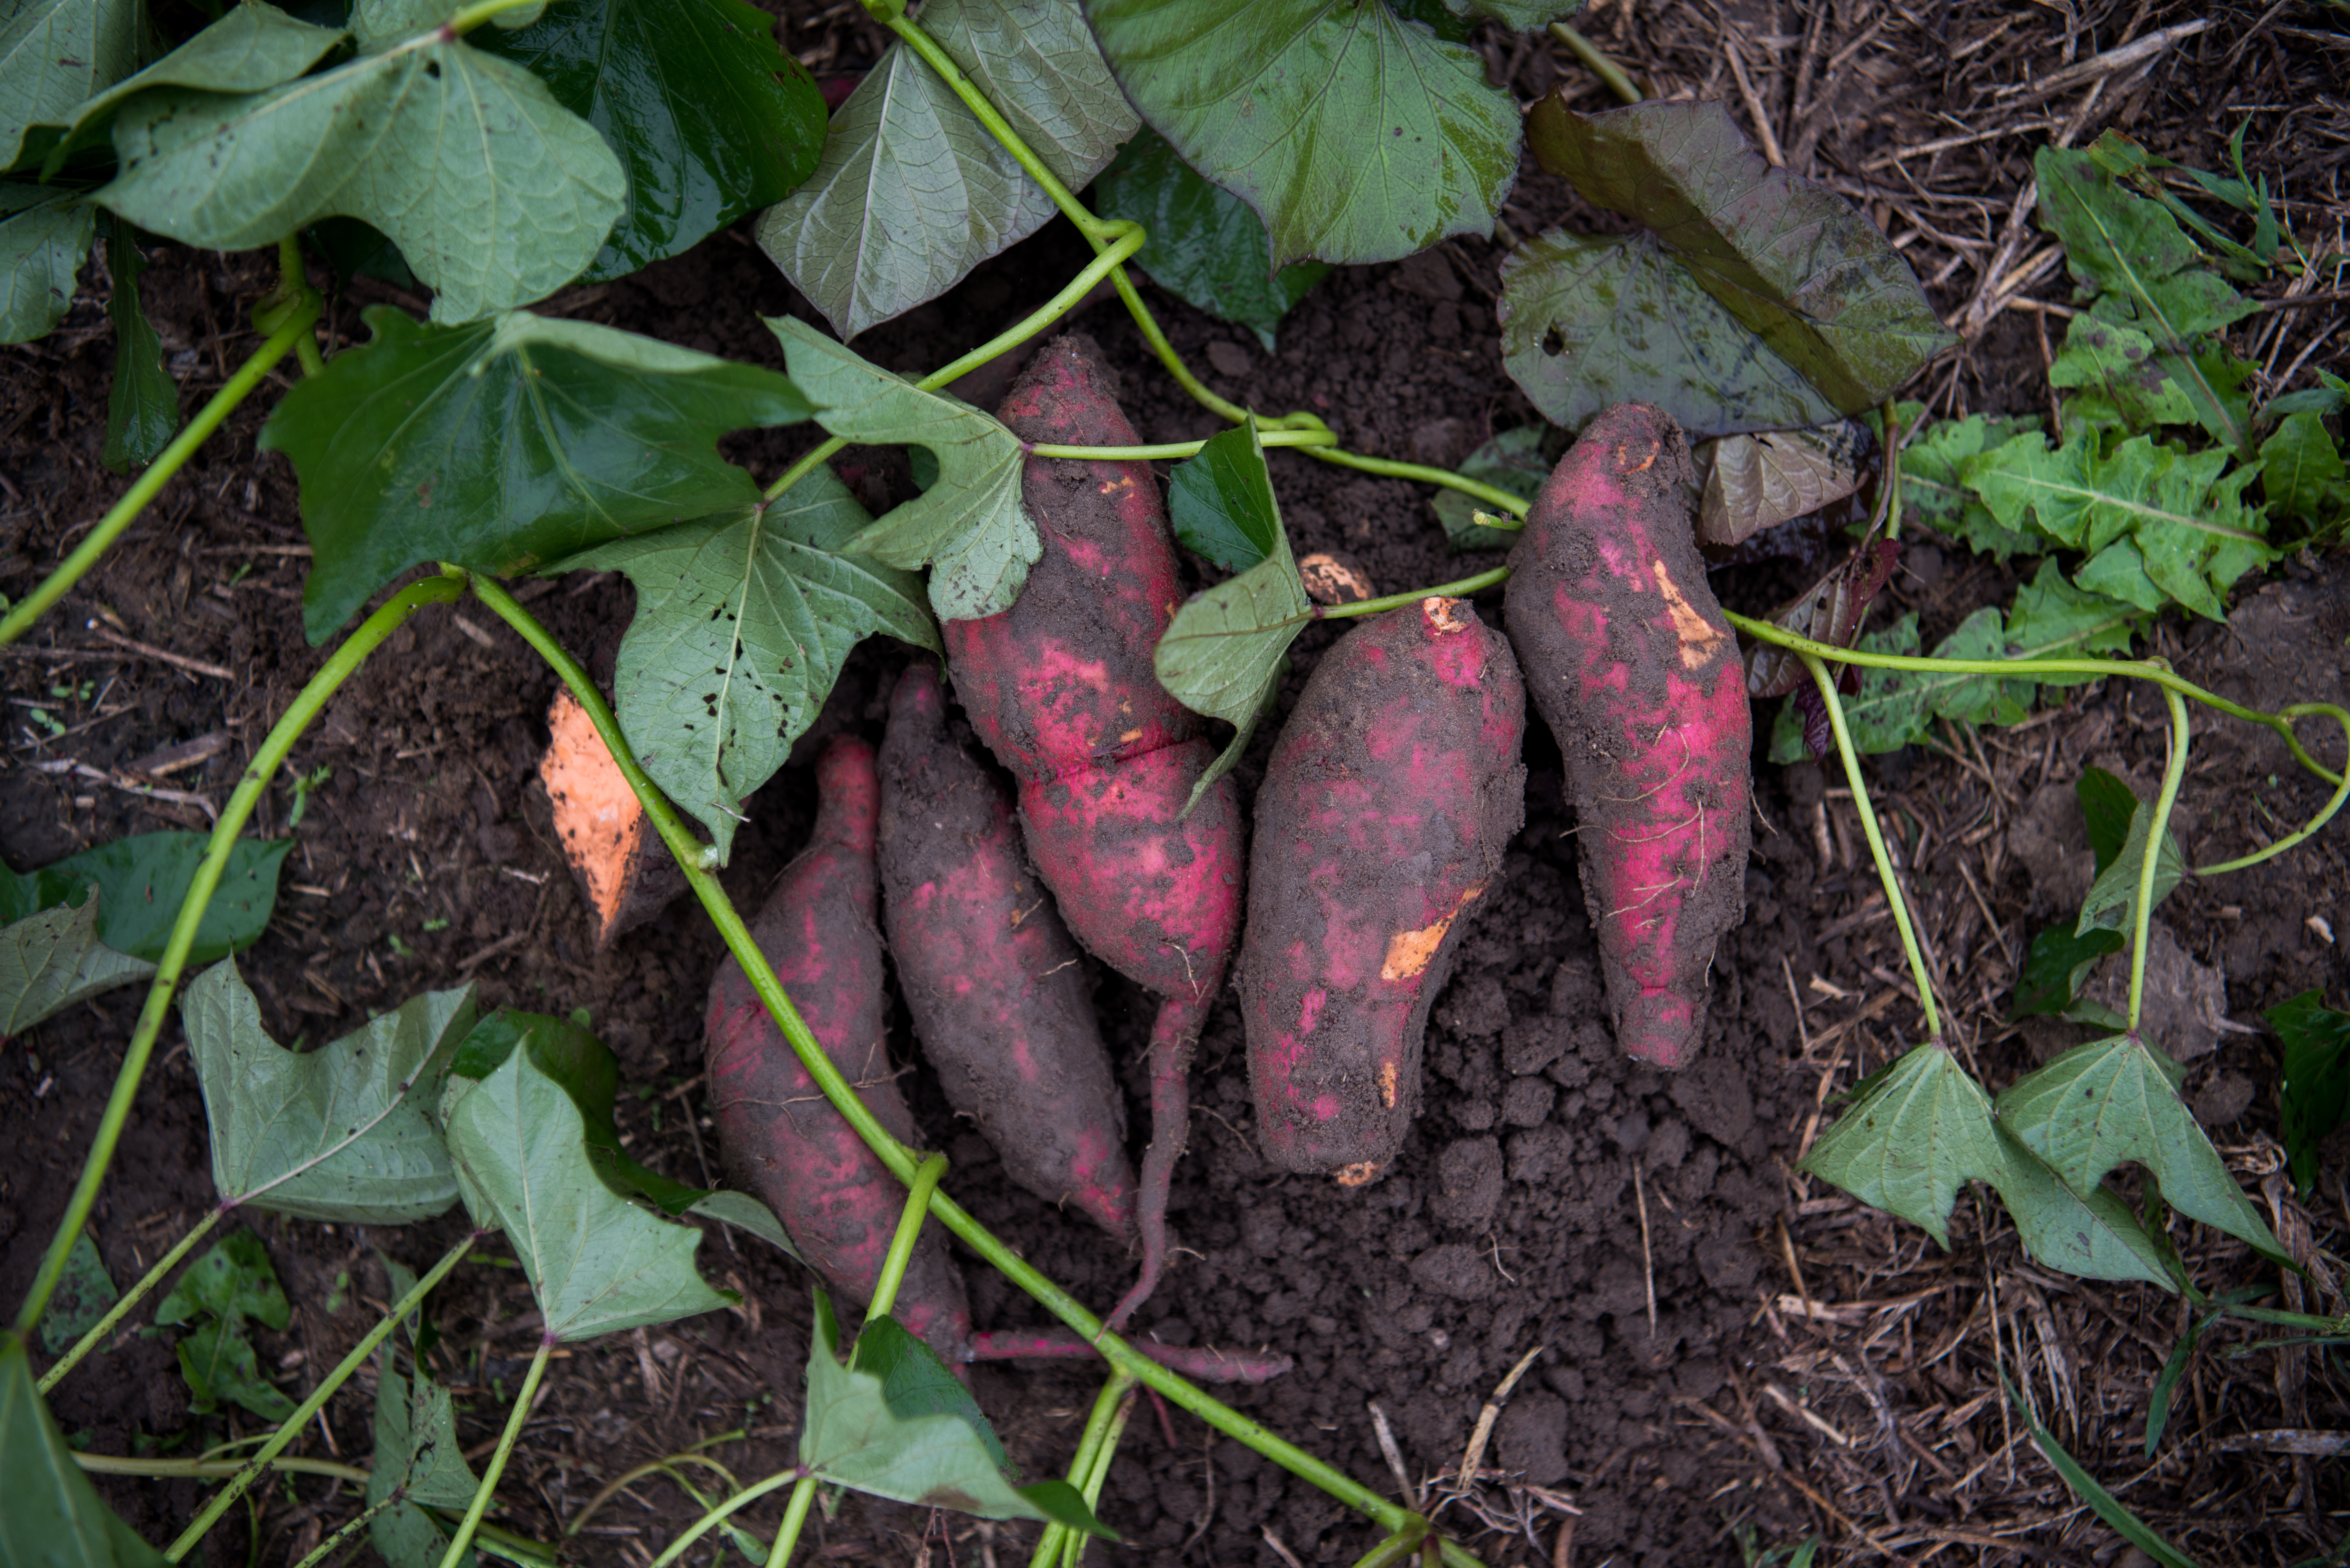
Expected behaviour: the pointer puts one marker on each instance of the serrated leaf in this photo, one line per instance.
(1588, 321)
(2112, 903)
(851, 1437)
(52, 960)
(1934, 466)
(2130, 249)
(1921, 1129)
(2057, 621)
(2058, 960)
(56, 53)
(233, 1279)
(360, 1102)
(143, 881)
(45, 235)
(1206, 246)
(2313, 1088)
(1220, 501)
(2301, 470)
(2116, 362)
(969, 526)
(596, 1263)
(504, 445)
(1796, 263)
(417, 1455)
(2092, 1234)
(142, 401)
(1511, 461)
(742, 622)
(55, 1517)
(709, 118)
(84, 1292)
(2111, 1100)
(495, 193)
(912, 192)
(219, 1364)
(1832, 610)
(1359, 136)
(1750, 482)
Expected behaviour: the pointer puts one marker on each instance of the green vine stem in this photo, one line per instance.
(1869, 825)
(497, 1465)
(1599, 64)
(901, 1245)
(291, 1427)
(796, 1513)
(130, 1299)
(2174, 774)
(693, 856)
(1097, 1472)
(481, 11)
(1053, 1541)
(2341, 792)
(334, 1543)
(1173, 450)
(293, 292)
(627, 1479)
(74, 567)
(211, 1469)
(1460, 589)
(1396, 1548)
(787, 1535)
(266, 762)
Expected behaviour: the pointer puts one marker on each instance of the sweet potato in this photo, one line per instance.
(1061, 688)
(1633, 667)
(999, 999)
(779, 1137)
(1386, 807)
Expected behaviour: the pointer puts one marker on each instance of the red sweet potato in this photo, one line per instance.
(779, 1137)
(1633, 667)
(999, 996)
(1061, 688)
(1386, 807)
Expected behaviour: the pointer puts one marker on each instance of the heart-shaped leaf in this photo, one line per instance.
(1914, 1131)
(52, 960)
(2094, 1236)
(144, 879)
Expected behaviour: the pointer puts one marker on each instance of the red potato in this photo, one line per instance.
(780, 1138)
(1386, 807)
(1062, 689)
(1000, 1000)
(1637, 674)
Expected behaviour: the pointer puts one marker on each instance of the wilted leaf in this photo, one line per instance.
(142, 401)
(494, 193)
(54, 959)
(55, 1517)
(506, 444)
(144, 880)
(709, 119)
(1207, 246)
(1750, 482)
(1794, 262)
(912, 192)
(1591, 321)
(1360, 136)
(417, 1455)
(1914, 1131)
(1511, 461)
(2314, 1089)
(45, 236)
(1832, 611)
(742, 622)
(969, 526)
(360, 1102)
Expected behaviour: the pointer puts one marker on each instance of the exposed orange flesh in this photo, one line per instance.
(623, 870)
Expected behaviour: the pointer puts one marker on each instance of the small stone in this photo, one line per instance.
(2223, 1099)
(1335, 578)
(1228, 357)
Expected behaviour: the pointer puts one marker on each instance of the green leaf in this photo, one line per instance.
(1511, 461)
(2053, 620)
(44, 236)
(709, 119)
(2313, 1088)
(1796, 263)
(253, 48)
(2329, 395)
(916, 1383)
(55, 1518)
(745, 1213)
(1220, 501)
(1358, 135)
(2102, 1503)
(1591, 321)
(2113, 1100)
(2107, 805)
(2129, 249)
(52, 960)
(1223, 653)
(1517, 15)
(912, 192)
(144, 879)
(2092, 1234)
(359, 1102)
(2301, 470)
(494, 193)
(80, 1301)
(1913, 1133)
(2116, 363)
(506, 444)
(851, 1436)
(56, 53)
(143, 403)
(596, 1263)
(1207, 246)
(742, 622)
(219, 1364)
(969, 526)
(2058, 961)
(1934, 467)
(2112, 903)
(417, 1454)
(234, 1279)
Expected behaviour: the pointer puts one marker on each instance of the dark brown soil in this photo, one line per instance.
(1720, 1344)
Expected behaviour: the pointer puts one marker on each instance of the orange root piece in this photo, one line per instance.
(623, 870)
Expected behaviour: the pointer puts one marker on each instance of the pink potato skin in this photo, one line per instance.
(1386, 807)
(1001, 1002)
(779, 1137)
(1632, 665)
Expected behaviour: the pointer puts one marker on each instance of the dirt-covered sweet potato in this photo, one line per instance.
(1000, 998)
(779, 1137)
(1629, 660)
(1061, 687)
(1386, 807)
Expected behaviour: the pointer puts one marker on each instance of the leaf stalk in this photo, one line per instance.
(131, 1298)
(523, 1400)
(901, 1244)
(2174, 772)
